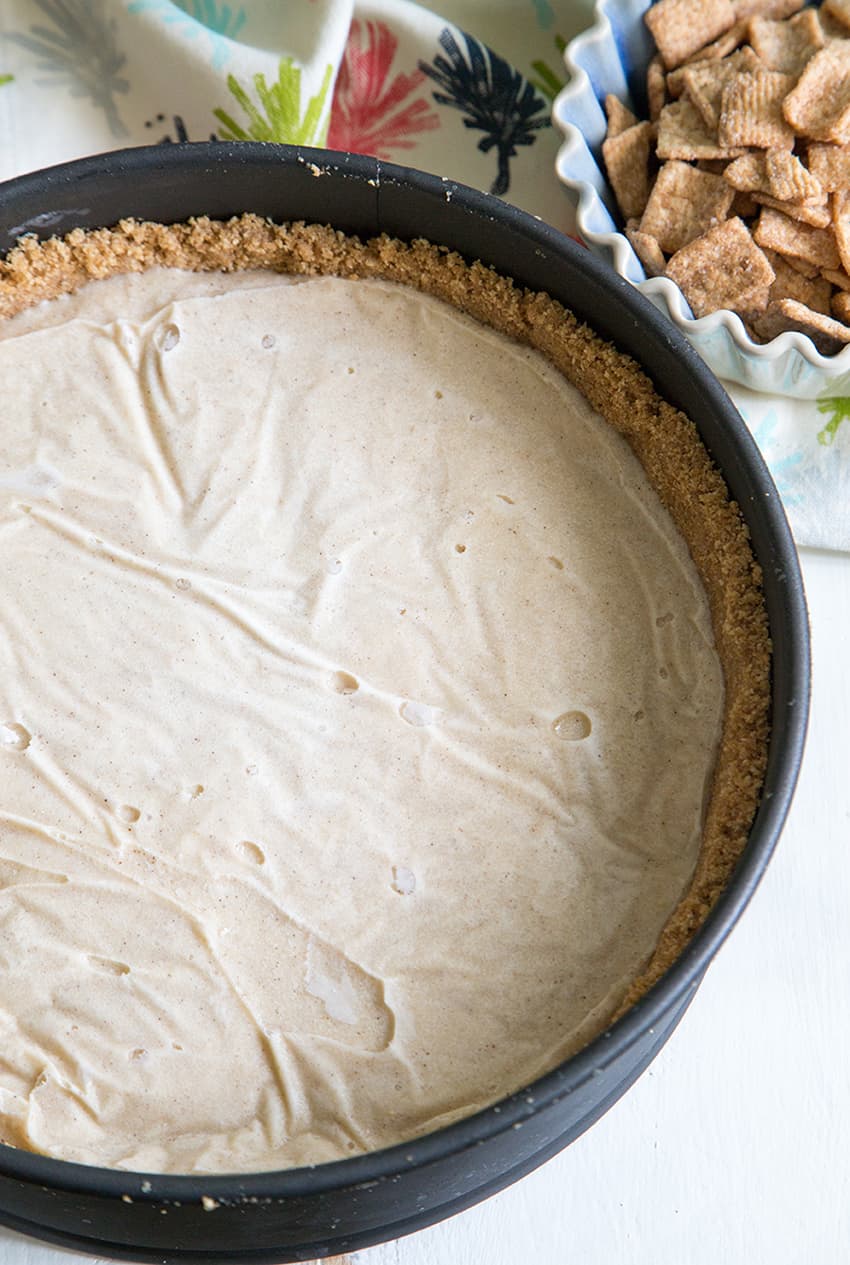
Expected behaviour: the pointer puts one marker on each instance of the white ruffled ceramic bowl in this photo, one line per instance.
(612, 57)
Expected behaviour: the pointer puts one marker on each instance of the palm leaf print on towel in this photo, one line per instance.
(839, 408)
(281, 101)
(79, 49)
(221, 18)
(212, 22)
(371, 111)
(494, 98)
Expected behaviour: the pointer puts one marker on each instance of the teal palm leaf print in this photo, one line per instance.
(213, 21)
(278, 114)
(222, 18)
(77, 47)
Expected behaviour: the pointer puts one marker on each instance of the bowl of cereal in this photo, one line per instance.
(707, 147)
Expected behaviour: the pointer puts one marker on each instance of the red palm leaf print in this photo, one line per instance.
(368, 114)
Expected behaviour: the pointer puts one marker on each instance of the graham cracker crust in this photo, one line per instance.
(663, 438)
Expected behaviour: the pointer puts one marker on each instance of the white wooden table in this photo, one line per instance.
(735, 1145)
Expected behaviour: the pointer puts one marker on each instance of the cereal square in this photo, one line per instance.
(723, 269)
(627, 161)
(816, 216)
(682, 134)
(789, 180)
(804, 268)
(777, 173)
(684, 203)
(819, 106)
(841, 307)
(837, 277)
(787, 46)
(648, 252)
(815, 292)
(751, 111)
(620, 117)
(828, 335)
(682, 27)
(839, 11)
(656, 87)
(830, 165)
(777, 9)
(675, 81)
(832, 29)
(722, 47)
(841, 228)
(787, 237)
(748, 173)
(705, 81)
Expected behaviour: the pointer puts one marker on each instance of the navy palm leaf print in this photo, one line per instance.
(495, 99)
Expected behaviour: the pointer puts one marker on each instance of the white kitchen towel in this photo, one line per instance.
(385, 77)
(806, 444)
